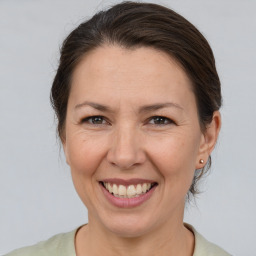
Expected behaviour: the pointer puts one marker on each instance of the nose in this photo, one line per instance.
(126, 150)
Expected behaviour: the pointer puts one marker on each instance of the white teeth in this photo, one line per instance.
(144, 187)
(115, 189)
(109, 188)
(138, 189)
(129, 191)
(122, 190)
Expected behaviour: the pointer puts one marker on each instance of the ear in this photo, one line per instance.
(208, 140)
(64, 146)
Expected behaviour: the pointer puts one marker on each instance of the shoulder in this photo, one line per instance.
(205, 248)
(58, 245)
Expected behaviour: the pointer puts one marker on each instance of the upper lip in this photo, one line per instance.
(128, 182)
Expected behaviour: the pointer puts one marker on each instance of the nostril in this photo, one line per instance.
(126, 159)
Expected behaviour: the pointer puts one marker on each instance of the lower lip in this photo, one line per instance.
(127, 202)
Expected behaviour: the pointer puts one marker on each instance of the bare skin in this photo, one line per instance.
(170, 243)
(132, 114)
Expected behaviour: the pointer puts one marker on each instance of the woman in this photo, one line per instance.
(137, 98)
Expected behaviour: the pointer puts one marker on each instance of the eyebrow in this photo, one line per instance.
(157, 106)
(142, 109)
(97, 106)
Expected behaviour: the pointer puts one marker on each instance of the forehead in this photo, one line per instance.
(143, 74)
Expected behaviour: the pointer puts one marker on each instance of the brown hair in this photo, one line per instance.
(132, 25)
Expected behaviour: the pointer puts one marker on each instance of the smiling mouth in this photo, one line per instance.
(128, 191)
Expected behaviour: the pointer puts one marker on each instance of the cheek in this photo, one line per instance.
(175, 156)
(84, 153)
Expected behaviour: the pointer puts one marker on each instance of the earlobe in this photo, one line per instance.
(208, 140)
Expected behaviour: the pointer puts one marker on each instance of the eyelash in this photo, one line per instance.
(87, 119)
(160, 118)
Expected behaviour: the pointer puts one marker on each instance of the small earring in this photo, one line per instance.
(201, 161)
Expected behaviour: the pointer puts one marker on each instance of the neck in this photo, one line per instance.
(170, 239)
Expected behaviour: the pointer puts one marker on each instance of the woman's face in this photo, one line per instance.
(131, 126)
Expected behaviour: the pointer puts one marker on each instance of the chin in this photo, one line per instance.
(129, 227)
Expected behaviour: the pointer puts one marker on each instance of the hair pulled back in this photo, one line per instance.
(133, 25)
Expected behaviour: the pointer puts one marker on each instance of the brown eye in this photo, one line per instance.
(94, 120)
(160, 120)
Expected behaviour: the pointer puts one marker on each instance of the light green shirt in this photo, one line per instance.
(64, 245)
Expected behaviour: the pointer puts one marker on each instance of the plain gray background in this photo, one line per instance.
(36, 193)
